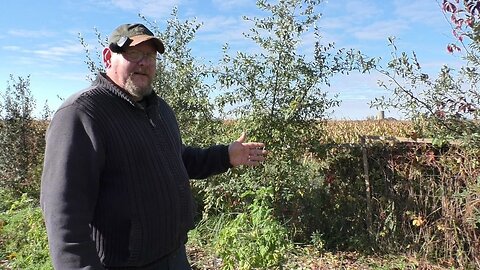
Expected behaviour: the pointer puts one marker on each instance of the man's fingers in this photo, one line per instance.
(242, 137)
(257, 152)
(256, 156)
(254, 145)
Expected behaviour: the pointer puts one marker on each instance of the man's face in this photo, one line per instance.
(134, 69)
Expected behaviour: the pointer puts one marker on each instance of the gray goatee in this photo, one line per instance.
(136, 91)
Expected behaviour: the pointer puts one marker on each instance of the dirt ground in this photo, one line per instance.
(308, 259)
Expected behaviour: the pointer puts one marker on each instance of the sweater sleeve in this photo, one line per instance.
(69, 188)
(204, 162)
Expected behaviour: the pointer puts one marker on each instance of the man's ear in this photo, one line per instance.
(107, 57)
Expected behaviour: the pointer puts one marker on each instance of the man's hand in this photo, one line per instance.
(250, 154)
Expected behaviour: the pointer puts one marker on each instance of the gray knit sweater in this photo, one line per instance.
(115, 186)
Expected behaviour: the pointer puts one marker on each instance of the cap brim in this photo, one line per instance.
(142, 38)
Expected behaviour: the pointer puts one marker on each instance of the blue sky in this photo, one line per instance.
(40, 38)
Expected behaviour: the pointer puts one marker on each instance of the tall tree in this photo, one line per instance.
(278, 90)
(21, 139)
(276, 93)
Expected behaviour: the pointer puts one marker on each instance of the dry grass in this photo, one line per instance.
(351, 131)
(306, 258)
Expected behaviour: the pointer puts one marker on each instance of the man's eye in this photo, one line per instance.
(134, 54)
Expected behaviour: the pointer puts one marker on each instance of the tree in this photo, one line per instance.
(21, 139)
(94, 60)
(182, 81)
(464, 16)
(441, 107)
(465, 20)
(276, 95)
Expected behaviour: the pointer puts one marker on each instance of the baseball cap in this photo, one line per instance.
(130, 35)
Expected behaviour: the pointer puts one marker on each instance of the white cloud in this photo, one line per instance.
(47, 55)
(421, 12)
(333, 23)
(219, 23)
(222, 29)
(356, 86)
(231, 4)
(150, 8)
(360, 10)
(11, 48)
(356, 23)
(23, 33)
(380, 30)
(356, 91)
(351, 11)
(58, 52)
(68, 76)
(343, 20)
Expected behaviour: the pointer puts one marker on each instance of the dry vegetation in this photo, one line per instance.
(351, 131)
(307, 258)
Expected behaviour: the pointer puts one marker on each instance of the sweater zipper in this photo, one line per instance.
(148, 117)
(150, 121)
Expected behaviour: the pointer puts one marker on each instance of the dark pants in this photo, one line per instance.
(176, 260)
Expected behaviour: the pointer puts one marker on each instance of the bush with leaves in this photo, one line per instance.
(253, 239)
(21, 139)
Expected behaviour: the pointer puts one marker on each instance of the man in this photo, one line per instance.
(115, 188)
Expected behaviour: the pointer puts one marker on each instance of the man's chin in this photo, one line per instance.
(139, 89)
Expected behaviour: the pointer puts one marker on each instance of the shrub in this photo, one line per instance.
(21, 139)
(253, 239)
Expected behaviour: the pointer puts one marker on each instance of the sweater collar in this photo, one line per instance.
(103, 81)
